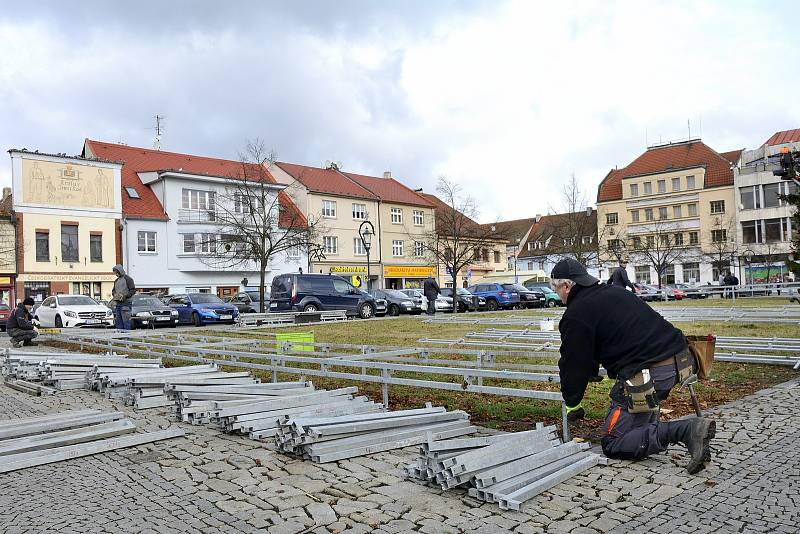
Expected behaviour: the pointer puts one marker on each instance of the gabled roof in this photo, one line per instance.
(732, 155)
(445, 218)
(513, 230)
(328, 181)
(786, 136)
(669, 158)
(390, 190)
(148, 160)
(557, 226)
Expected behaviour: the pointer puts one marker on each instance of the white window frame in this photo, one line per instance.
(198, 200)
(397, 248)
(293, 252)
(716, 207)
(186, 239)
(676, 184)
(359, 211)
(419, 249)
(663, 213)
(329, 209)
(634, 215)
(419, 217)
(720, 232)
(146, 234)
(692, 209)
(358, 247)
(396, 215)
(690, 182)
(648, 214)
(677, 211)
(648, 188)
(634, 190)
(612, 218)
(330, 244)
(662, 186)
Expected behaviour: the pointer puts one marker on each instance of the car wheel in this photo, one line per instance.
(196, 320)
(551, 303)
(59, 322)
(310, 308)
(174, 324)
(366, 311)
(394, 310)
(492, 305)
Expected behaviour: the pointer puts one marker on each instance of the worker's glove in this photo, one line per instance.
(575, 413)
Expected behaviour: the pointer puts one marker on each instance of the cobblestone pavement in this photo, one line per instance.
(211, 482)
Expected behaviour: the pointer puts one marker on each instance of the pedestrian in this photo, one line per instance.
(641, 350)
(20, 327)
(431, 291)
(124, 289)
(620, 276)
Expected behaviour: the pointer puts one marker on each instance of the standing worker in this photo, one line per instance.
(620, 276)
(124, 289)
(20, 327)
(641, 350)
(431, 290)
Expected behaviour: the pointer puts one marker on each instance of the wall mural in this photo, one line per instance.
(68, 185)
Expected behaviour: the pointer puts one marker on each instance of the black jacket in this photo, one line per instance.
(431, 289)
(620, 278)
(609, 325)
(20, 318)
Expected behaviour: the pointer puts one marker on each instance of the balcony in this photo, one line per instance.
(197, 216)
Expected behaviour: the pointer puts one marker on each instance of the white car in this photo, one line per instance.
(442, 303)
(73, 310)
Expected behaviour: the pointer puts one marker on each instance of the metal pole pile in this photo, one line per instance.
(507, 469)
(328, 439)
(31, 388)
(47, 439)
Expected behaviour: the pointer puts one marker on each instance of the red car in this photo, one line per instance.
(5, 311)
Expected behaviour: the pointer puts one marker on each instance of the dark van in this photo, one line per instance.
(315, 292)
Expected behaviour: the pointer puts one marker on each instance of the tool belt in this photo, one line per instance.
(639, 390)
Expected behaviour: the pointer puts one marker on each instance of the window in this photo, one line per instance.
(497, 256)
(206, 243)
(772, 230)
(676, 184)
(146, 241)
(663, 240)
(648, 214)
(677, 212)
(587, 240)
(692, 210)
(690, 182)
(476, 254)
(569, 241)
(188, 243)
(419, 249)
(642, 274)
(751, 197)
(691, 272)
(637, 243)
(197, 200)
(419, 218)
(485, 255)
(662, 213)
(96, 247)
(669, 274)
(132, 192)
(678, 240)
(717, 206)
(293, 252)
(651, 241)
(751, 231)
(541, 266)
(612, 218)
(69, 242)
(331, 244)
(635, 216)
(614, 244)
(360, 211)
(648, 188)
(397, 247)
(662, 186)
(396, 215)
(530, 265)
(771, 192)
(694, 238)
(341, 287)
(719, 236)
(358, 247)
(634, 190)
(329, 209)
(42, 246)
(530, 245)
(245, 204)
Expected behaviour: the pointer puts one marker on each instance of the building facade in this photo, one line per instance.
(672, 213)
(67, 213)
(8, 251)
(171, 204)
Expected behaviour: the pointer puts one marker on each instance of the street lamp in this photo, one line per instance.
(748, 258)
(516, 253)
(366, 230)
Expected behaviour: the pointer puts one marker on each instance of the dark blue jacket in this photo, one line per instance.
(20, 318)
(620, 278)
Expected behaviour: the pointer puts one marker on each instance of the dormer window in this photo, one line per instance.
(132, 192)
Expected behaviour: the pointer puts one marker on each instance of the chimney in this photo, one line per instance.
(538, 217)
(387, 174)
(6, 192)
(589, 211)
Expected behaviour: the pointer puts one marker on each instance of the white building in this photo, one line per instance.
(168, 206)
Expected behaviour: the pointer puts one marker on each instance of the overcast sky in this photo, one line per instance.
(506, 98)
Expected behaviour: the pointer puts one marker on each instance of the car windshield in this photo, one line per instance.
(395, 293)
(76, 301)
(147, 301)
(205, 298)
(255, 296)
(516, 287)
(462, 291)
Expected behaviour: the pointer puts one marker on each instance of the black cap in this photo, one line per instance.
(28, 301)
(571, 269)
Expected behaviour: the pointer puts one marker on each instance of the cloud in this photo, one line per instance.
(507, 98)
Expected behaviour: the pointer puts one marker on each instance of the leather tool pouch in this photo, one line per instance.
(683, 365)
(640, 393)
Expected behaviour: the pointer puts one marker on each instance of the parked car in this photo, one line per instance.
(73, 310)
(442, 304)
(148, 311)
(5, 311)
(551, 298)
(202, 308)
(398, 302)
(688, 291)
(314, 292)
(466, 300)
(527, 297)
(652, 293)
(496, 295)
(380, 307)
(249, 301)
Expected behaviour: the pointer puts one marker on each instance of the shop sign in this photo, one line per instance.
(67, 277)
(408, 271)
(5, 280)
(348, 269)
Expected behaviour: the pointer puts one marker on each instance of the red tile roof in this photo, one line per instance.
(326, 181)
(732, 155)
(559, 226)
(516, 229)
(669, 158)
(786, 136)
(390, 190)
(147, 160)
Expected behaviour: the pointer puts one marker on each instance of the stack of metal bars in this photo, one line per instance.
(328, 439)
(31, 388)
(508, 469)
(47, 439)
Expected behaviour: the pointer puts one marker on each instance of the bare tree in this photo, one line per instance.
(256, 219)
(719, 243)
(457, 236)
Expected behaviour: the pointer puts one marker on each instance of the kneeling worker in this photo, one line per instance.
(644, 352)
(20, 327)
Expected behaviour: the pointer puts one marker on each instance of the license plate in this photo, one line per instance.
(225, 317)
(92, 321)
(162, 318)
(273, 305)
(145, 322)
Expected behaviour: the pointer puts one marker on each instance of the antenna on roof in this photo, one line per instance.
(159, 130)
(689, 126)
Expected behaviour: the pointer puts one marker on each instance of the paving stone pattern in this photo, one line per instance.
(211, 482)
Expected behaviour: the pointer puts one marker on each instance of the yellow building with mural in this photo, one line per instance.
(67, 212)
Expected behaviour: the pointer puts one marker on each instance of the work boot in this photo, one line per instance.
(29, 343)
(695, 433)
(16, 344)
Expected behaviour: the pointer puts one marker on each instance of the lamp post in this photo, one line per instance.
(516, 253)
(748, 258)
(366, 230)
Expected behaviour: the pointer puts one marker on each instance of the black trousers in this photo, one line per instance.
(18, 334)
(431, 306)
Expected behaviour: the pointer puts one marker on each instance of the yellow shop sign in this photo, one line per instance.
(348, 269)
(408, 271)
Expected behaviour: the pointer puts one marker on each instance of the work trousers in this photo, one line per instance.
(634, 436)
(122, 317)
(20, 335)
(431, 306)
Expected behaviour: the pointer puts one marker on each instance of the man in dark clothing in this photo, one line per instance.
(20, 327)
(431, 291)
(641, 350)
(620, 276)
(124, 289)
